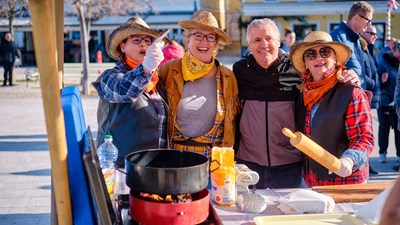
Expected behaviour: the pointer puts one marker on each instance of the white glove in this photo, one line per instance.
(154, 56)
(347, 167)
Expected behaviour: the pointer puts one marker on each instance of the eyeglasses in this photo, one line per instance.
(365, 18)
(311, 54)
(200, 37)
(371, 33)
(138, 39)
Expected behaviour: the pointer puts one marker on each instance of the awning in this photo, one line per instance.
(305, 8)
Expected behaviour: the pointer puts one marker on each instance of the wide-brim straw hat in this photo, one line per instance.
(205, 20)
(134, 26)
(317, 38)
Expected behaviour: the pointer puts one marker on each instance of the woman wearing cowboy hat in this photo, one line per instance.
(336, 116)
(131, 108)
(202, 93)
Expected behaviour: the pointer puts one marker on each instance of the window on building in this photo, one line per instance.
(303, 29)
(381, 33)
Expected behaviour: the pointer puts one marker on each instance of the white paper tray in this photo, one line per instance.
(307, 219)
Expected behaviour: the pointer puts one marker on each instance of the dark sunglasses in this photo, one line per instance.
(200, 37)
(365, 18)
(311, 54)
(138, 39)
(371, 33)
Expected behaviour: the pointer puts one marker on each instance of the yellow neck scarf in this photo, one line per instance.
(193, 68)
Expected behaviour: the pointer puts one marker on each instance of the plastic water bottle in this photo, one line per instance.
(108, 154)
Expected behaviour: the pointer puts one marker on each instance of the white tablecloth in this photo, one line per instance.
(229, 215)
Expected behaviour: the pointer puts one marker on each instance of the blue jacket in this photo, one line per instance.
(371, 74)
(390, 65)
(397, 98)
(347, 36)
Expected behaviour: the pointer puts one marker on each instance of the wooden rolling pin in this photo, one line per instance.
(313, 150)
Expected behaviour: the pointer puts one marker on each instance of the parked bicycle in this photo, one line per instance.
(31, 74)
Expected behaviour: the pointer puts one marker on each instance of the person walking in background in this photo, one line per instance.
(173, 50)
(290, 38)
(387, 48)
(371, 69)
(397, 105)
(387, 117)
(202, 93)
(348, 33)
(9, 52)
(336, 116)
(131, 106)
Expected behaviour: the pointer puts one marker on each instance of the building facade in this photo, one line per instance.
(302, 16)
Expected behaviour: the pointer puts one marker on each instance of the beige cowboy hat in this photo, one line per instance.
(134, 26)
(317, 38)
(206, 21)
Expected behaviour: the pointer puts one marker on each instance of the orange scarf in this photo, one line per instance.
(132, 64)
(313, 91)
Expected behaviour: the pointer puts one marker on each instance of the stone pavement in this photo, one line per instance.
(24, 158)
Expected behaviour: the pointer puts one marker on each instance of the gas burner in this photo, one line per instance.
(124, 219)
(147, 211)
(179, 198)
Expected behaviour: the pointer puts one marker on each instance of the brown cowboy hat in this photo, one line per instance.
(317, 38)
(134, 26)
(206, 21)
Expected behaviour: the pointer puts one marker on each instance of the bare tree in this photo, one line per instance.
(12, 8)
(92, 10)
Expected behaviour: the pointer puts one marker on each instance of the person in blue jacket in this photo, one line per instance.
(388, 71)
(348, 33)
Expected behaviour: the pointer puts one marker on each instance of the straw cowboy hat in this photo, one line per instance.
(134, 26)
(206, 21)
(317, 38)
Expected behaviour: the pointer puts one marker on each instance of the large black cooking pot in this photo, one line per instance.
(166, 171)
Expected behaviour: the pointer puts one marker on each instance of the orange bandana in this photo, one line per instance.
(132, 64)
(313, 91)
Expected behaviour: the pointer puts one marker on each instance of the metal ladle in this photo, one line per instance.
(250, 202)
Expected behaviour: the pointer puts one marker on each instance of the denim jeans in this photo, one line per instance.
(387, 118)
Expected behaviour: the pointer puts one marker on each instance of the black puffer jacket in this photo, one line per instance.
(268, 99)
(390, 65)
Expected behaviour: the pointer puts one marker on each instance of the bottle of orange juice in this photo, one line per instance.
(223, 176)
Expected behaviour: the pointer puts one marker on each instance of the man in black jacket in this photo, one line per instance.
(267, 92)
(371, 70)
(8, 53)
(371, 65)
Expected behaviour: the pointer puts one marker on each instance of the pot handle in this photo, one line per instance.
(119, 169)
(217, 167)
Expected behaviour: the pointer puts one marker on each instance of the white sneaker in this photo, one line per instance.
(382, 158)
